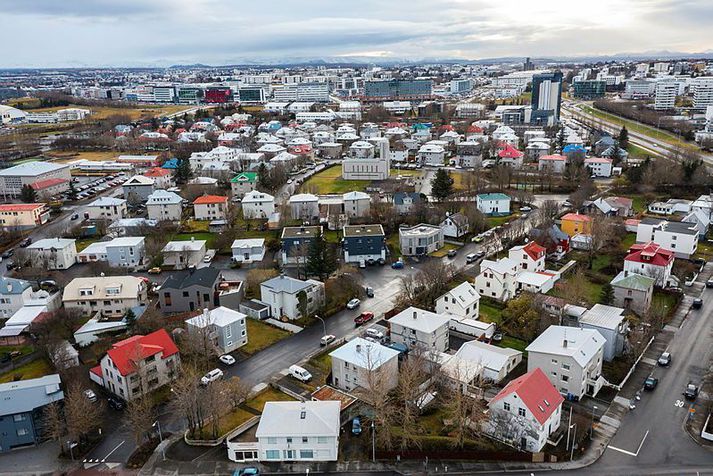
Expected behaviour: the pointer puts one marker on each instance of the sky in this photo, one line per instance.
(57, 33)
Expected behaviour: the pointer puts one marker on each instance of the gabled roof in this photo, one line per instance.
(220, 316)
(536, 393)
(156, 172)
(363, 353)
(465, 294)
(206, 199)
(555, 157)
(206, 277)
(533, 250)
(51, 182)
(576, 217)
(650, 253)
(139, 180)
(420, 320)
(249, 177)
(125, 353)
(400, 196)
(601, 315)
(510, 152)
(20, 207)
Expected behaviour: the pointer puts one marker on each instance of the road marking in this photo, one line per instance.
(115, 448)
(629, 452)
(679, 404)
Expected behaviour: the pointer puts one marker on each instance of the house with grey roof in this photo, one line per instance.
(405, 201)
(13, 295)
(21, 410)
(611, 323)
(633, 291)
(226, 328)
(455, 225)
(53, 253)
(190, 290)
(283, 294)
(359, 363)
(106, 208)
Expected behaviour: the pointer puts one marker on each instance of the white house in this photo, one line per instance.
(598, 166)
(416, 327)
(304, 206)
(53, 253)
(225, 328)
(531, 256)
(477, 362)
(356, 204)
(552, 163)
(571, 358)
(463, 301)
(652, 260)
(109, 295)
(611, 323)
(106, 208)
(455, 225)
(364, 365)
(497, 279)
(164, 206)
(257, 204)
(211, 207)
(182, 254)
(282, 293)
(526, 412)
(679, 237)
(431, 154)
(249, 250)
(420, 239)
(493, 203)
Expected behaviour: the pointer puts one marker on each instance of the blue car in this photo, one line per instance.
(356, 426)
(397, 264)
(249, 471)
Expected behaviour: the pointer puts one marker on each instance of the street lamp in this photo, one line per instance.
(160, 438)
(324, 326)
(373, 442)
(591, 429)
(574, 438)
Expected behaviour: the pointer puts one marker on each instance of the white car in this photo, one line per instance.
(300, 373)
(353, 304)
(227, 359)
(374, 333)
(91, 396)
(211, 376)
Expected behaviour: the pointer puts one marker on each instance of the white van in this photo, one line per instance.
(299, 373)
(471, 258)
(211, 376)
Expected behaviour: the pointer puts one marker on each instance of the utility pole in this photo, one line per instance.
(574, 438)
(373, 442)
(569, 425)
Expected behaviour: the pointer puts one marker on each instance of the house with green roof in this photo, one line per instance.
(633, 291)
(493, 204)
(244, 182)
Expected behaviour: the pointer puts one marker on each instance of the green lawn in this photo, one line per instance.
(513, 343)
(628, 240)
(443, 251)
(330, 181)
(499, 221)
(664, 300)
(600, 262)
(705, 251)
(36, 368)
(230, 421)
(332, 236)
(261, 335)
(393, 243)
(82, 243)
(323, 362)
(490, 312)
(22, 349)
(270, 394)
(200, 235)
(636, 152)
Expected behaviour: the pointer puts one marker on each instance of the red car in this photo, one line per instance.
(363, 317)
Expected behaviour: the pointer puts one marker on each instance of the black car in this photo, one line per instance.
(115, 403)
(709, 283)
(691, 391)
(10, 266)
(650, 383)
(8, 253)
(697, 303)
(26, 242)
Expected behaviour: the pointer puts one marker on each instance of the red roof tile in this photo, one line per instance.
(97, 370)
(554, 157)
(20, 207)
(534, 251)
(536, 392)
(156, 172)
(649, 253)
(510, 152)
(51, 182)
(576, 217)
(205, 199)
(125, 352)
(474, 129)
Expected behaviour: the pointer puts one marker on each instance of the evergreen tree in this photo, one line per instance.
(441, 185)
(560, 139)
(72, 190)
(623, 138)
(28, 194)
(321, 260)
(183, 172)
(607, 294)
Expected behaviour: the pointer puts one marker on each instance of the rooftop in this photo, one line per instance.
(580, 344)
(363, 353)
(301, 231)
(363, 230)
(26, 395)
(420, 320)
(31, 169)
(220, 316)
(286, 284)
(207, 199)
(536, 392)
(206, 277)
(309, 418)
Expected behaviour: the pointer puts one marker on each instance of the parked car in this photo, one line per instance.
(369, 291)
(650, 383)
(115, 403)
(26, 242)
(397, 265)
(374, 333)
(709, 283)
(10, 266)
(249, 471)
(227, 359)
(356, 426)
(452, 253)
(155, 270)
(471, 258)
(697, 303)
(365, 316)
(300, 373)
(326, 340)
(525, 209)
(665, 359)
(211, 376)
(91, 396)
(353, 304)
(8, 253)
(691, 391)
(74, 216)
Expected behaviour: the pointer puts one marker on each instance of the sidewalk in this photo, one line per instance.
(36, 460)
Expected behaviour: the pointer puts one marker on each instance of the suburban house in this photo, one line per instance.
(53, 253)
(553, 239)
(304, 206)
(552, 163)
(497, 279)
(190, 290)
(455, 225)
(679, 237)
(164, 206)
(405, 201)
(571, 358)
(23, 216)
(283, 295)
(671, 206)
(510, 156)
(211, 207)
(106, 208)
(21, 412)
(431, 154)
(415, 327)
(295, 431)
(363, 243)
(477, 363)
(243, 183)
(652, 260)
(111, 296)
(295, 241)
(363, 365)
(162, 178)
(138, 365)
(356, 204)
(463, 301)
(138, 188)
(599, 166)
(225, 328)
(420, 239)
(257, 204)
(121, 252)
(611, 323)
(493, 203)
(182, 254)
(612, 206)
(700, 219)
(14, 293)
(531, 256)
(526, 412)
(248, 250)
(575, 224)
(633, 291)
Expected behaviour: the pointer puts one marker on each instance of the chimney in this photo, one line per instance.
(564, 344)
(358, 347)
(415, 314)
(9, 287)
(206, 314)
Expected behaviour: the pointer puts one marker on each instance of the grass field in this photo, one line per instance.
(490, 312)
(498, 221)
(406, 172)
(513, 343)
(198, 235)
(134, 113)
(636, 152)
(93, 156)
(36, 368)
(443, 251)
(628, 240)
(270, 394)
(262, 335)
(330, 181)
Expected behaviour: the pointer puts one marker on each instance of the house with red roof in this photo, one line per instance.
(51, 186)
(211, 207)
(552, 163)
(138, 365)
(531, 256)
(162, 178)
(650, 259)
(526, 412)
(509, 155)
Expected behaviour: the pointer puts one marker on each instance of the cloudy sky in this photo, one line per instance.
(54, 33)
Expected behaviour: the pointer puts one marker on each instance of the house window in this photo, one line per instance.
(322, 440)
(19, 417)
(306, 454)
(272, 454)
(305, 439)
(521, 411)
(271, 440)
(565, 366)
(289, 439)
(565, 378)
(506, 406)
(21, 431)
(554, 361)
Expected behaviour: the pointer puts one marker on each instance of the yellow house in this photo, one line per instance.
(574, 224)
(22, 216)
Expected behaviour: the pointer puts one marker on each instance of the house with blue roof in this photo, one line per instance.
(14, 293)
(170, 164)
(573, 149)
(493, 204)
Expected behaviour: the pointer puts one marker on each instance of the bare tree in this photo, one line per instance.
(257, 276)
(141, 416)
(53, 423)
(602, 230)
(575, 289)
(465, 411)
(82, 415)
(236, 390)
(407, 393)
(186, 399)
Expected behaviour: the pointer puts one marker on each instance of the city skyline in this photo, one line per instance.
(162, 33)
